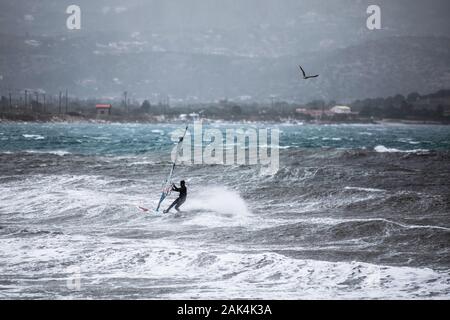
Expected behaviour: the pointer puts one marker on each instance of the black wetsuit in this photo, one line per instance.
(180, 200)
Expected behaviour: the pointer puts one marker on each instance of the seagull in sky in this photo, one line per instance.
(304, 74)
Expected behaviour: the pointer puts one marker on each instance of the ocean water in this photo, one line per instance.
(354, 211)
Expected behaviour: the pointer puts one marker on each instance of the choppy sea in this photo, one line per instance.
(354, 211)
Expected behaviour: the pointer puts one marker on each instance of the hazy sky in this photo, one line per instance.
(216, 48)
(399, 16)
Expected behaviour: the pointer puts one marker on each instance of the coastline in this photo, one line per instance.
(70, 119)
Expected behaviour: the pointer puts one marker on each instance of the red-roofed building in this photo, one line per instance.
(103, 109)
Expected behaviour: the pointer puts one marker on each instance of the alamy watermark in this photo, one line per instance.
(73, 22)
(229, 146)
(374, 20)
(73, 281)
(373, 277)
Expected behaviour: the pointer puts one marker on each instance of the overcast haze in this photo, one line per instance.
(202, 50)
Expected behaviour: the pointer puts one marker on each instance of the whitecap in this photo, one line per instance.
(364, 189)
(33, 136)
(408, 140)
(383, 149)
(55, 152)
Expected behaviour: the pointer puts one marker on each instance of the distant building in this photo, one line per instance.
(194, 116)
(313, 112)
(190, 116)
(300, 110)
(446, 112)
(103, 109)
(341, 110)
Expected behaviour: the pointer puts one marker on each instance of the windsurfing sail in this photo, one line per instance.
(167, 185)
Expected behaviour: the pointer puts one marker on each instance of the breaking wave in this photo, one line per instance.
(340, 219)
(384, 149)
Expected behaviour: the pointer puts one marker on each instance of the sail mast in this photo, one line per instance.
(167, 185)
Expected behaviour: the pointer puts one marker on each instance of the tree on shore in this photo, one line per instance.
(146, 106)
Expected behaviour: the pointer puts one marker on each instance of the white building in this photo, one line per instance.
(194, 116)
(341, 110)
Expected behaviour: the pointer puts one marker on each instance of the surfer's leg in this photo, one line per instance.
(179, 203)
(171, 206)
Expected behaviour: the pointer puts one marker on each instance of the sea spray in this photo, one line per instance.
(217, 206)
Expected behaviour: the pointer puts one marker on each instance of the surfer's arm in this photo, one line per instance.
(174, 188)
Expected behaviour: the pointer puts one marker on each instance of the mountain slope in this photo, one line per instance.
(147, 69)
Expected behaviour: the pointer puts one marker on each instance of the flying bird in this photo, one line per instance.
(304, 74)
